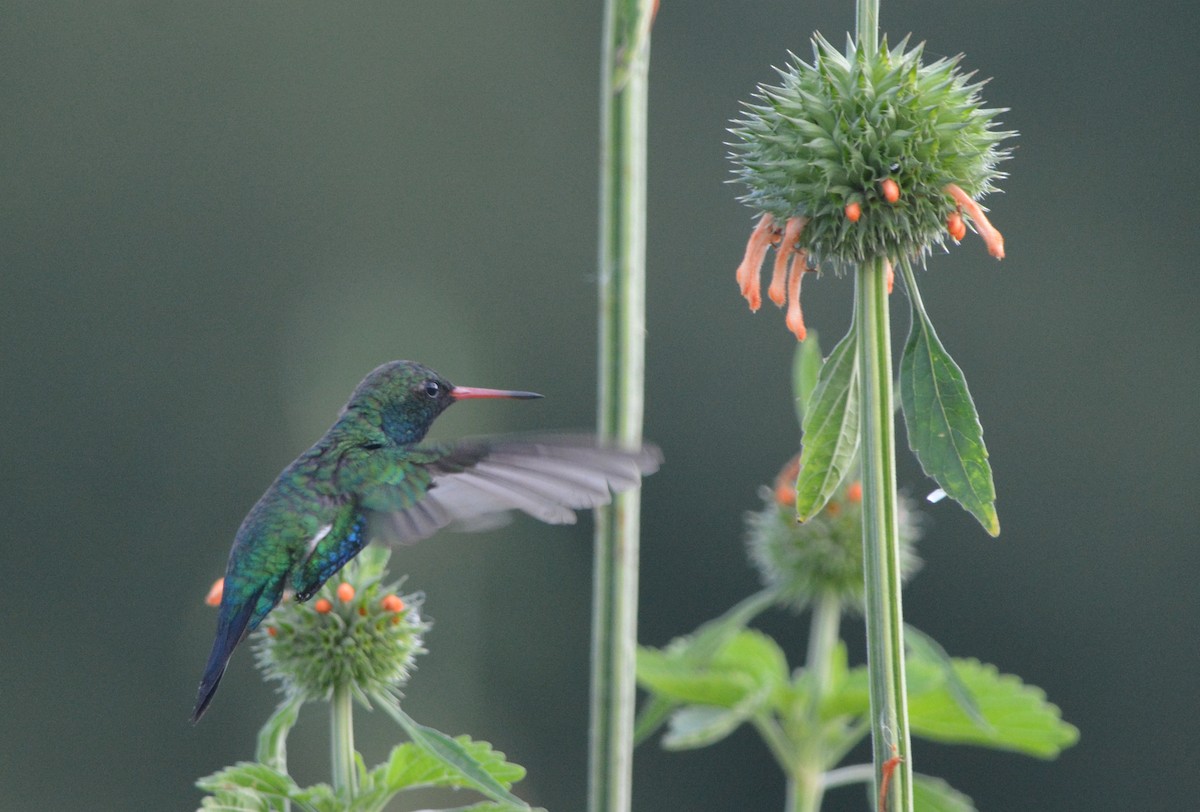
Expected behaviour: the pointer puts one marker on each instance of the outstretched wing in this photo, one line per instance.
(473, 484)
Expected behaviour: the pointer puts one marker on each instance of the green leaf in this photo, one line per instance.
(698, 649)
(475, 764)
(923, 647)
(747, 661)
(272, 739)
(410, 766)
(1018, 716)
(247, 787)
(694, 726)
(942, 424)
(831, 429)
(935, 795)
(806, 366)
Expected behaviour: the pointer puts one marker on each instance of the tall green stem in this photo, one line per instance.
(341, 734)
(881, 548)
(622, 317)
(806, 787)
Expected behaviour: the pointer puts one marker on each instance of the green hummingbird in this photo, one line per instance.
(371, 477)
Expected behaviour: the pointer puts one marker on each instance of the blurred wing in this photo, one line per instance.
(476, 483)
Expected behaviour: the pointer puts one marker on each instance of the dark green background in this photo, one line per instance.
(217, 217)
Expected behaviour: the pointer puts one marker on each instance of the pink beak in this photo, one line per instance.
(465, 392)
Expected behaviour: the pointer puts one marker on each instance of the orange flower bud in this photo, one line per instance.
(272, 631)
(213, 598)
(853, 211)
(323, 606)
(854, 492)
(392, 603)
(891, 190)
(345, 592)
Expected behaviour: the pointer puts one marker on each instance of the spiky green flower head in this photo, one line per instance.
(357, 632)
(824, 555)
(861, 156)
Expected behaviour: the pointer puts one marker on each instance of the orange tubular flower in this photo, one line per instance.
(853, 211)
(991, 237)
(956, 226)
(345, 592)
(891, 190)
(783, 258)
(756, 252)
(795, 318)
(322, 606)
(213, 598)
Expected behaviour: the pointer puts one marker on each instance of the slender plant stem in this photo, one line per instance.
(341, 732)
(622, 317)
(867, 25)
(881, 549)
(822, 639)
(806, 787)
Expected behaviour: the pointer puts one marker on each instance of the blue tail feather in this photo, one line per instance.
(231, 630)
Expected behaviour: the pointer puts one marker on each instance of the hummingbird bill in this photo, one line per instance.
(371, 476)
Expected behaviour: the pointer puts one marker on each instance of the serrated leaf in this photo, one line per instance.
(806, 366)
(932, 794)
(247, 787)
(831, 429)
(940, 417)
(492, 777)
(410, 766)
(1020, 718)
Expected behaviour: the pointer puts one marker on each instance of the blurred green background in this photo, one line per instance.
(217, 217)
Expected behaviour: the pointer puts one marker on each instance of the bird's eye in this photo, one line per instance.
(432, 388)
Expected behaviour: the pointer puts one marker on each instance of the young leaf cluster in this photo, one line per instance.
(746, 680)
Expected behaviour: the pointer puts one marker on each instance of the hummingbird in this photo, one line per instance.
(371, 477)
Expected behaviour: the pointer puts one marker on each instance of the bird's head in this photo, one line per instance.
(404, 398)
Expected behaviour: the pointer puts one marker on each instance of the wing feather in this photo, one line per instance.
(476, 483)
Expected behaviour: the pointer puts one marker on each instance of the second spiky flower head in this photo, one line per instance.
(357, 633)
(862, 156)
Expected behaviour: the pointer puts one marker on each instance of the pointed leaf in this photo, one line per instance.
(806, 366)
(831, 429)
(455, 755)
(942, 424)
